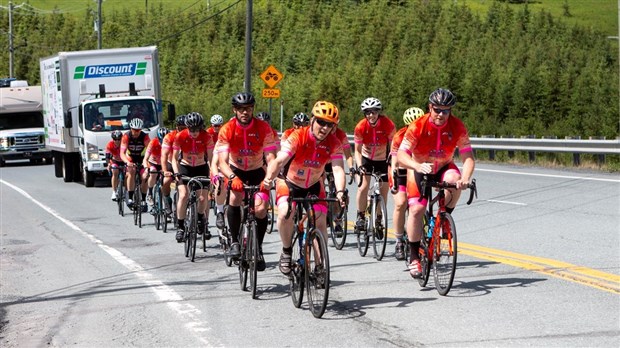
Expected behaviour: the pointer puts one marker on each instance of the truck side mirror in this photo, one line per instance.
(171, 112)
(68, 120)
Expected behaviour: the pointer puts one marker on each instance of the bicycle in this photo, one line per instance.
(248, 242)
(310, 258)
(190, 237)
(376, 220)
(338, 237)
(224, 234)
(137, 197)
(271, 220)
(438, 246)
(159, 211)
(120, 190)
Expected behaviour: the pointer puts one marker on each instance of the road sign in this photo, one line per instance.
(271, 76)
(271, 93)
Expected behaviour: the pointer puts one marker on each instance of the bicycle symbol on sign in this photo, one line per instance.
(270, 76)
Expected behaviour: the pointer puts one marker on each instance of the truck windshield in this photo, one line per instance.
(113, 115)
(21, 120)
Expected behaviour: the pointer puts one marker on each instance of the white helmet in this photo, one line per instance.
(371, 103)
(217, 120)
(136, 123)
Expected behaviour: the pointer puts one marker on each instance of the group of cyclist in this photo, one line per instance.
(246, 151)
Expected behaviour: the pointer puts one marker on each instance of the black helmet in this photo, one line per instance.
(194, 119)
(442, 97)
(117, 135)
(180, 121)
(301, 119)
(243, 98)
(264, 116)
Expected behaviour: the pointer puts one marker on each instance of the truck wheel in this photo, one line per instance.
(89, 178)
(67, 168)
(58, 165)
(2, 162)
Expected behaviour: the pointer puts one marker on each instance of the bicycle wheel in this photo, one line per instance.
(157, 207)
(193, 232)
(444, 253)
(252, 257)
(379, 235)
(137, 209)
(270, 214)
(424, 251)
(243, 266)
(338, 236)
(363, 238)
(164, 216)
(296, 278)
(317, 272)
(225, 242)
(188, 227)
(120, 195)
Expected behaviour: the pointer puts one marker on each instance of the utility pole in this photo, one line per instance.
(99, 24)
(11, 39)
(248, 48)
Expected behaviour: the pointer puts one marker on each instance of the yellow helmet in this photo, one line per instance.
(412, 114)
(326, 111)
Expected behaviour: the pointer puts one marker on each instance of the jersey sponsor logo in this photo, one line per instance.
(300, 172)
(311, 164)
(246, 152)
(109, 70)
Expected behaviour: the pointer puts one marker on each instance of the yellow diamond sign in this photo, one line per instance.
(271, 76)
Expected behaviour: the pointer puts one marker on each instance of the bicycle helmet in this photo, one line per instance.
(117, 135)
(442, 97)
(326, 111)
(180, 121)
(412, 114)
(161, 133)
(371, 103)
(194, 120)
(136, 123)
(264, 116)
(301, 119)
(217, 120)
(243, 98)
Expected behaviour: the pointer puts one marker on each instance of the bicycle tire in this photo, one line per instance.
(120, 195)
(297, 276)
(193, 230)
(164, 216)
(317, 272)
(270, 214)
(362, 240)
(225, 245)
(425, 261)
(187, 227)
(243, 269)
(379, 230)
(136, 205)
(157, 206)
(338, 239)
(445, 254)
(252, 257)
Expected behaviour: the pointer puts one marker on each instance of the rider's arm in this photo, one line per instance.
(273, 168)
(175, 160)
(339, 175)
(468, 169)
(124, 157)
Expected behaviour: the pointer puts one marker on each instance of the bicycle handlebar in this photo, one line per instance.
(308, 199)
(445, 185)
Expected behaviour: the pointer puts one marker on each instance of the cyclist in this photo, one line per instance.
(398, 182)
(113, 156)
(191, 153)
(242, 144)
(166, 160)
(299, 120)
(152, 162)
(220, 200)
(133, 145)
(372, 137)
(308, 150)
(265, 116)
(428, 148)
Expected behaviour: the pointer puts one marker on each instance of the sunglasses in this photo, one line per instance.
(441, 111)
(195, 129)
(371, 111)
(324, 123)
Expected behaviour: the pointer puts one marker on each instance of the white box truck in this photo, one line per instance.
(89, 94)
(21, 123)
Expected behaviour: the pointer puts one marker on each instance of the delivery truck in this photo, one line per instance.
(21, 123)
(89, 94)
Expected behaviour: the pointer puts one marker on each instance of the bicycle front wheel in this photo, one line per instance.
(317, 272)
(296, 278)
(444, 254)
(337, 227)
(188, 227)
(252, 257)
(120, 196)
(379, 235)
(157, 207)
(270, 214)
(424, 252)
(243, 262)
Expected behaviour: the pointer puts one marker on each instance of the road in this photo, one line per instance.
(538, 265)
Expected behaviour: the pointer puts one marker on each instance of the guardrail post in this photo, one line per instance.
(600, 158)
(531, 154)
(576, 156)
(551, 156)
(491, 152)
(511, 153)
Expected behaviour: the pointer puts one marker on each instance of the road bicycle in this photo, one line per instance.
(159, 211)
(438, 247)
(248, 241)
(224, 233)
(336, 215)
(310, 268)
(120, 190)
(137, 197)
(190, 237)
(376, 217)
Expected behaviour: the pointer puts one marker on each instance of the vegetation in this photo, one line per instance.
(515, 71)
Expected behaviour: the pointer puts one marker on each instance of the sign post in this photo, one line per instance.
(271, 76)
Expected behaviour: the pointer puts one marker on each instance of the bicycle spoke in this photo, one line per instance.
(445, 254)
(296, 278)
(379, 236)
(317, 273)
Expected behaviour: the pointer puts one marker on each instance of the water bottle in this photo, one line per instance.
(431, 227)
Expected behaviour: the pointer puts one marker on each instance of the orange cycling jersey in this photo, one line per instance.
(212, 133)
(114, 151)
(342, 136)
(245, 144)
(374, 139)
(167, 143)
(286, 134)
(193, 150)
(153, 151)
(427, 142)
(309, 156)
(397, 140)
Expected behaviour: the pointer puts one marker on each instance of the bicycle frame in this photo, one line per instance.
(194, 185)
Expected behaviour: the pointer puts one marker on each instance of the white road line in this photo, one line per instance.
(190, 314)
(548, 175)
(504, 202)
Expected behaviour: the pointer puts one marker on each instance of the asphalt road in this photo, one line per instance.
(539, 265)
